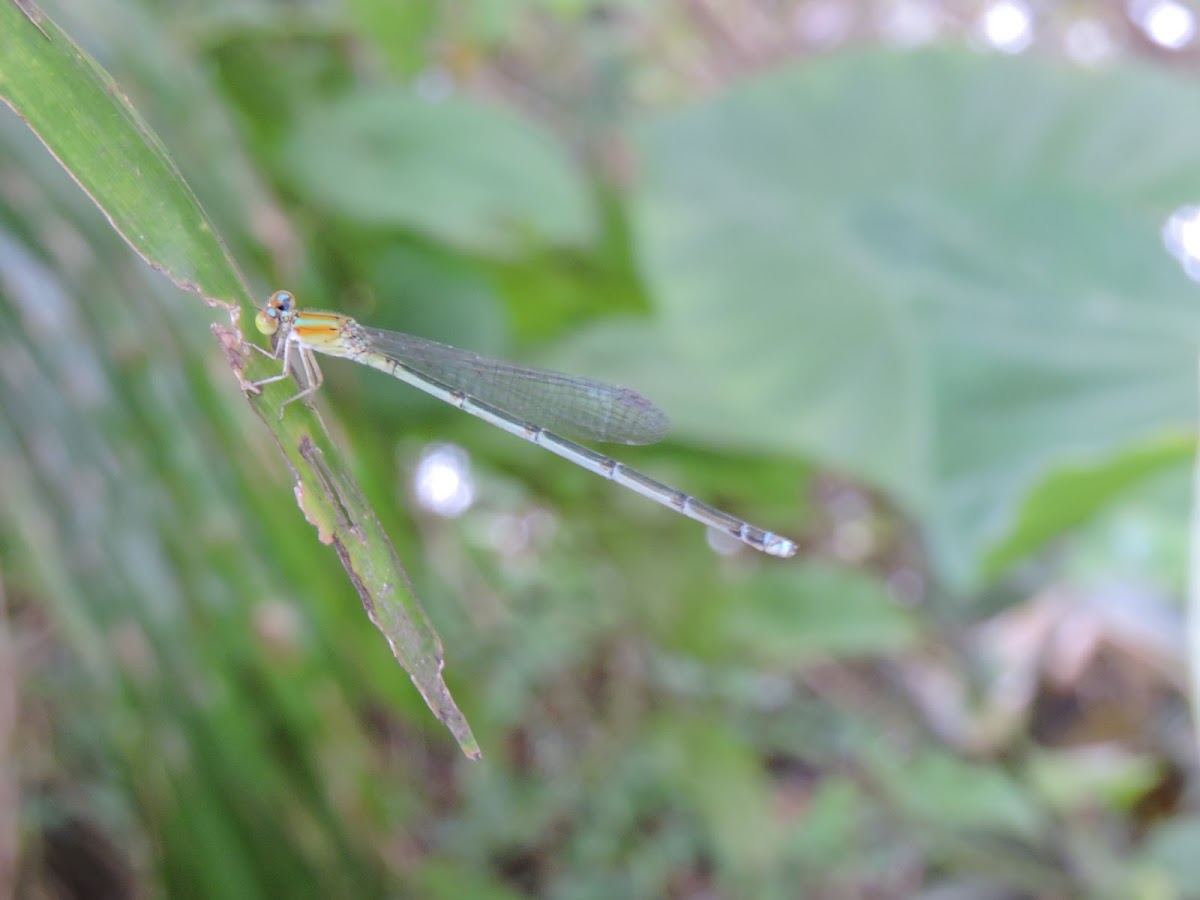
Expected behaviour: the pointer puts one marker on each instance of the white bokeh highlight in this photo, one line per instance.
(442, 481)
(1181, 237)
(1007, 25)
(1167, 23)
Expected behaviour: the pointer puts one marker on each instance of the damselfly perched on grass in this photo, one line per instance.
(533, 404)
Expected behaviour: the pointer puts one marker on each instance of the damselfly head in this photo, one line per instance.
(278, 311)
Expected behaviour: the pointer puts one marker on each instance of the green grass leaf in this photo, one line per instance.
(80, 114)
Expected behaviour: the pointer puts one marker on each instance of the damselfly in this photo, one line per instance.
(533, 404)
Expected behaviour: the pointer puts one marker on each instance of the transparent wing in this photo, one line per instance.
(572, 406)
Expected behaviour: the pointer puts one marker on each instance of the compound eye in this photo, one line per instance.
(267, 321)
(276, 313)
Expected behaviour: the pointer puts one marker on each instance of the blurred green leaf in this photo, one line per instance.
(1072, 495)
(815, 611)
(398, 31)
(721, 778)
(470, 175)
(940, 272)
(1088, 777)
(947, 793)
(829, 830)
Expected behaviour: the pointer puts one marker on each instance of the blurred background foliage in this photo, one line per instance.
(909, 304)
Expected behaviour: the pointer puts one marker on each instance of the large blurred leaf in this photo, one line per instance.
(940, 272)
(457, 171)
